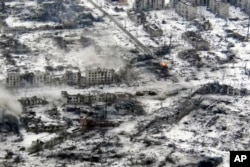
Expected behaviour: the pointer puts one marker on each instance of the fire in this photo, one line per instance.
(164, 64)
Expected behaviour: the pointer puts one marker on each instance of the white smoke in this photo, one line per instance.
(9, 105)
(106, 58)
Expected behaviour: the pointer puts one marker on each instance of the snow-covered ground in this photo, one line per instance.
(194, 134)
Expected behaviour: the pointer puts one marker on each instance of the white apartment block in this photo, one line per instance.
(100, 76)
(149, 4)
(186, 10)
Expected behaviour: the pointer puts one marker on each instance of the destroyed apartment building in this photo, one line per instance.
(30, 101)
(51, 127)
(187, 8)
(60, 75)
(46, 143)
(138, 17)
(153, 30)
(195, 39)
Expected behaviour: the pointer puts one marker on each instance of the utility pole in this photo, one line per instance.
(170, 43)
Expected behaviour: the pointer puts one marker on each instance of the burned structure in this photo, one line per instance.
(60, 75)
(186, 9)
(30, 101)
(79, 99)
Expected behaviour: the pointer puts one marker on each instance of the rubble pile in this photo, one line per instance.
(191, 56)
(216, 88)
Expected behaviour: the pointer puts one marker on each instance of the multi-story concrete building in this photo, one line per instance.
(39, 78)
(149, 4)
(196, 40)
(100, 76)
(243, 4)
(72, 77)
(220, 7)
(81, 99)
(13, 79)
(186, 9)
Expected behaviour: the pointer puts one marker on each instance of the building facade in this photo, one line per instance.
(72, 77)
(219, 7)
(186, 10)
(100, 76)
(13, 79)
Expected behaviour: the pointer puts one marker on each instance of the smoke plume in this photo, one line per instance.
(9, 107)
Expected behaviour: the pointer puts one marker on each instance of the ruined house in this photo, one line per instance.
(30, 101)
(138, 17)
(153, 30)
(45, 143)
(203, 25)
(196, 40)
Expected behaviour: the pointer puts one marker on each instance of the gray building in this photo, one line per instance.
(219, 7)
(100, 76)
(72, 77)
(186, 9)
(13, 79)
